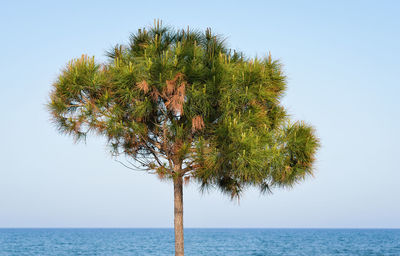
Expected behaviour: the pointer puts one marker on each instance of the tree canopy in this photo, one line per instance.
(180, 103)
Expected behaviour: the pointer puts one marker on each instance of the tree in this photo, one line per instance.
(184, 107)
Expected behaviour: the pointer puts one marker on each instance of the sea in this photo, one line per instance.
(204, 242)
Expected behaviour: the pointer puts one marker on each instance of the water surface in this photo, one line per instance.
(199, 242)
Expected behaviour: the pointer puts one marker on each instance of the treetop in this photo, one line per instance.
(180, 103)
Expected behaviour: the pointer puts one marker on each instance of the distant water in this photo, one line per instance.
(210, 242)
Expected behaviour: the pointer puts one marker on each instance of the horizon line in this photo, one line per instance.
(200, 228)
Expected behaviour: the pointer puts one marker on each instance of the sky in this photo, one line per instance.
(342, 63)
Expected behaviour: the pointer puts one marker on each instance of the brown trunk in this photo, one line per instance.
(178, 216)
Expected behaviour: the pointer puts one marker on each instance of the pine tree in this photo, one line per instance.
(186, 108)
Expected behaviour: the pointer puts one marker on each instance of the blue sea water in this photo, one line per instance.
(210, 242)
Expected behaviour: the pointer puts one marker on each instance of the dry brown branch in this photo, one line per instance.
(144, 86)
(155, 94)
(197, 123)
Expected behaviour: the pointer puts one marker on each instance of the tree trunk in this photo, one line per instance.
(178, 215)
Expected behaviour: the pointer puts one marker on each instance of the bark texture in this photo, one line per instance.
(178, 215)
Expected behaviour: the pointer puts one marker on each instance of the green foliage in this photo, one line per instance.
(180, 103)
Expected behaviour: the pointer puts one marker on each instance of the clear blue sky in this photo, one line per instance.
(342, 61)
